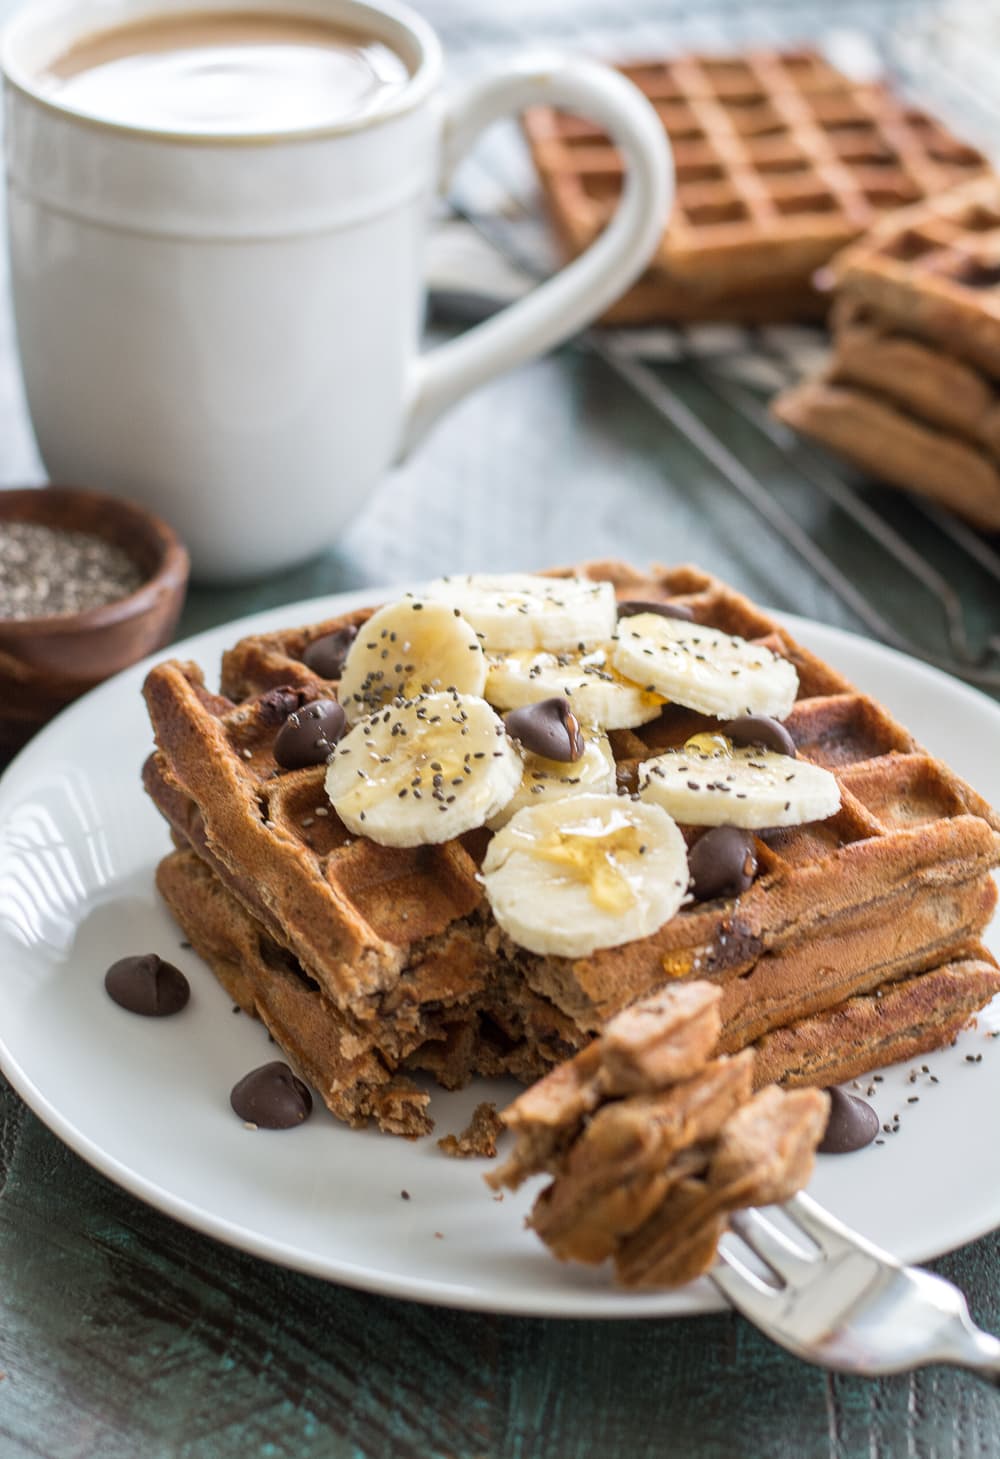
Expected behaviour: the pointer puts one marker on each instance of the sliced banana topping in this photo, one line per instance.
(409, 648)
(423, 771)
(737, 786)
(570, 876)
(704, 668)
(521, 610)
(598, 694)
(545, 780)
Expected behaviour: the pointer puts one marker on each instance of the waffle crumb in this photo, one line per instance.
(479, 1138)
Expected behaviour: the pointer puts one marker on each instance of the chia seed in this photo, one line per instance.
(47, 571)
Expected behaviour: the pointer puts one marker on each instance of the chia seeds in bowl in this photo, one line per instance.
(53, 571)
(89, 583)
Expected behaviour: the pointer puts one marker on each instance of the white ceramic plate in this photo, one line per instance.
(147, 1101)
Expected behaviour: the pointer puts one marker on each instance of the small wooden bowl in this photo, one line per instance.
(46, 662)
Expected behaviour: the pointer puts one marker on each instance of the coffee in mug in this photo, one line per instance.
(219, 306)
(232, 72)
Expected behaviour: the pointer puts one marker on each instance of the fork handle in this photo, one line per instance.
(979, 1354)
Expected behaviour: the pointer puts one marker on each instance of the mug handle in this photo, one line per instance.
(583, 289)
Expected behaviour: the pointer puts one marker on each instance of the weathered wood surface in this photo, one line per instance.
(125, 1336)
(122, 1334)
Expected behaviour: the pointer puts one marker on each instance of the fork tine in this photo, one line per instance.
(829, 1234)
(743, 1288)
(789, 1260)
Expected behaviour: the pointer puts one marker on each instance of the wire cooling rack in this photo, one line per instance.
(916, 577)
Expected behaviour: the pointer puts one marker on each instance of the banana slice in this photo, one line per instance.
(521, 610)
(409, 648)
(598, 694)
(571, 876)
(544, 780)
(704, 668)
(745, 787)
(423, 771)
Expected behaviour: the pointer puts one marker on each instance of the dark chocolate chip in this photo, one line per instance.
(633, 606)
(276, 705)
(852, 1125)
(309, 734)
(548, 728)
(326, 655)
(760, 730)
(271, 1097)
(722, 863)
(146, 984)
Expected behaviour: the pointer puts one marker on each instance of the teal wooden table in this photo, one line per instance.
(123, 1335)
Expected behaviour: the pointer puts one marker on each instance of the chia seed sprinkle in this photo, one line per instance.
(45, 571)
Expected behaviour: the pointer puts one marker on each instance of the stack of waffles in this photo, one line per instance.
(912, 390)
(856, 945)
(652, 1142)
(780, 161)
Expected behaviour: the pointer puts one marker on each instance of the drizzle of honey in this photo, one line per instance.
(709, 743)
(437, 749)
(591, 857)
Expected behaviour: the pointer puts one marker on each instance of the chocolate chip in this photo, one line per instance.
(276, 705)
(762, 731)
(308, 735)
(722, 863)
(548, 728)
(326, 655)
(271, 1097)
(852, 1124)
(632, 606)
(146, 984)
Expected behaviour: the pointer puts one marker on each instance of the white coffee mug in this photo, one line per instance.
(226, 327)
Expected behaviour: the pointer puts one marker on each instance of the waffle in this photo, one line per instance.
(399, 950)
(652, 1142)
(911, 390)
(780, 161)
(896, 1022)
(948, 393)
(900, 449)
(932, 270)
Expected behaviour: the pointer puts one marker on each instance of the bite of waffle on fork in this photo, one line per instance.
(857, 944)
(652, 1142)
(911, 392)
(780, 160)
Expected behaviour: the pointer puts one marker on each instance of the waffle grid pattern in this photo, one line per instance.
(933, 269)
(780, 160)
(401, 942)
(911, 390)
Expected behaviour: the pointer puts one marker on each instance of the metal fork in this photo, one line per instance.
(835, 1299)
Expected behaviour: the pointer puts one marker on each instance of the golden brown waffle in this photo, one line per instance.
(945, 392)
(932, 271)
(652, 1142)
(896, 446)
(780, 161)
(896, 1022)
(911, 392)
(401, 943)
(266, 981)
